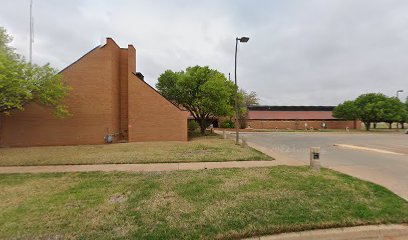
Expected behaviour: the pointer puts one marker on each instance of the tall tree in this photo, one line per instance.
(245, 99)
(205, 92)
(393, 111)
(249, 99)
(404, 115)
(347, 110)
(22, 82)
(369, 108)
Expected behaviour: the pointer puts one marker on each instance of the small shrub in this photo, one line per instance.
(227, 124)
(192, 125)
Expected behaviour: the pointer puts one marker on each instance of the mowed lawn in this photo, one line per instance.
(205, 149)
(207, 204)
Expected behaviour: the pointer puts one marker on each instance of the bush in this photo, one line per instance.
(227, 124)
(192, 125)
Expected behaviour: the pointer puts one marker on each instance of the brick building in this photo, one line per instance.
(295, 117)
(107, 98)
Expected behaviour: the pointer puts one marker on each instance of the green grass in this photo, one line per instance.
(203, 149)
(207, 204)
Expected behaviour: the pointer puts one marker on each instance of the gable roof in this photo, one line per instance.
(93, 49)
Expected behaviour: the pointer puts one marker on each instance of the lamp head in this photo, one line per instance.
(243, 39)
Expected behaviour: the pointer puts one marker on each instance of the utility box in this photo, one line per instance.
(315, 158)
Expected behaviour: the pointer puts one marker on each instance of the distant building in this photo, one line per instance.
(108, 100)
(296, 117)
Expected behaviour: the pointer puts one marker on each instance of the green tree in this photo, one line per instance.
(404, 115)
(347, 110)
(393, 111)
(404, 118)
(249, 99)
(22, 82)
(245, 99)
(369, 108)
(205, 92)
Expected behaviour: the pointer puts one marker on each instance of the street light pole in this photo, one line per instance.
(399, 91)
(31, 32)
(243, 40)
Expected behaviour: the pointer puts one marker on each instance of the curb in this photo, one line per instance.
(394, 231)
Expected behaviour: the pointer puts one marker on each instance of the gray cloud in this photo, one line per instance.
(314, 52)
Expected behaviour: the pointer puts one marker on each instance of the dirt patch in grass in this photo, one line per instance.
(207, 204)
(206, 149)
(118, 198)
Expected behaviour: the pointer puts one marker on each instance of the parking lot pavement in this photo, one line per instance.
(388, 168)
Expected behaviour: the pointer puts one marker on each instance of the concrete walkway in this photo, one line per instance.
(374, 232)
(152, 167)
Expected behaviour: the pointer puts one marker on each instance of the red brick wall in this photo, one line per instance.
(152, 117)
(92, 102)
(330, 124)
(123, 91)
(115, 81)
(104, 92)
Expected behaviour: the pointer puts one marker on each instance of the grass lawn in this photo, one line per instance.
(205, 149)
(222, 203)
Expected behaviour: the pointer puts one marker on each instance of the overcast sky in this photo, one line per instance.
(301, 52)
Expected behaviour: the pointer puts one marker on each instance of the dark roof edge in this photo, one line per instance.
(299, 119)
(112, 41)
(99, 46)
(159, 93)
(79, 59)
(291, 108)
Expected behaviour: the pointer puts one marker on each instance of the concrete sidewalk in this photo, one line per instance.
(375, 232)
(280, 159)
(152, 167)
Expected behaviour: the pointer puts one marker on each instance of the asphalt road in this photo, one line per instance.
(386, 164)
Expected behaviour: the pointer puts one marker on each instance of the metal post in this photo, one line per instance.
(31, 31)
(244, 40)
(244, 142)
(315, 158)
(236, 95)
